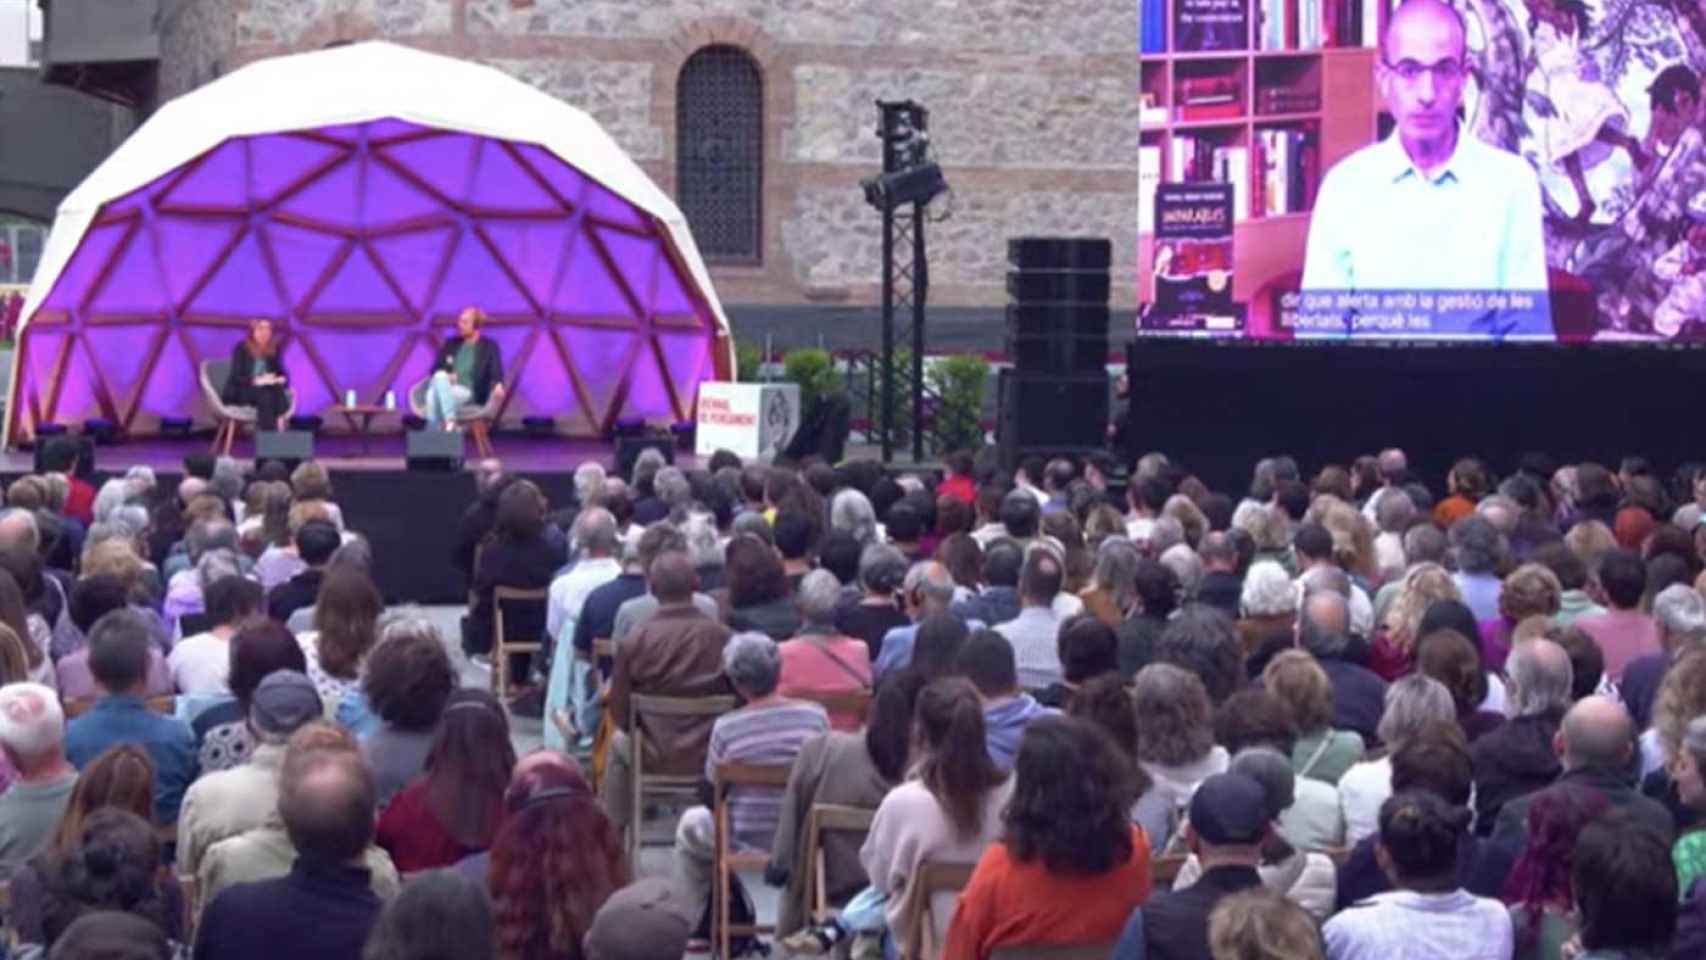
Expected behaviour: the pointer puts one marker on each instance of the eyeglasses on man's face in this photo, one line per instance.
(1447, 71)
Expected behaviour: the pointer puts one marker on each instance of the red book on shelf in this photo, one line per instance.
(1199, 88)
(1291, 12)
(1211, 111)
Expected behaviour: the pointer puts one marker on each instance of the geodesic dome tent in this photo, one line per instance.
(360, 197)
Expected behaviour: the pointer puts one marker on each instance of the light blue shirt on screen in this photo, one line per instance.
(1381, 224)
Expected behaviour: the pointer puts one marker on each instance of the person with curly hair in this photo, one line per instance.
(438, 915)
(456, 807)
(1531, 590)
(556, 860)
(1394, 649)
(1411, 704)
(407, 682)
(1070, 866)
(1538, 888)
(1262, 925)
(112, 864)
(1320, 751)
(1451, 658)
(1175, 746)
(1204, 641)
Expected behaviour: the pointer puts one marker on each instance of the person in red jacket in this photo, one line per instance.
(958, 482)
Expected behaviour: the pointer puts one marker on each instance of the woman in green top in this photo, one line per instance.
(1320, 752)
(1687, 767)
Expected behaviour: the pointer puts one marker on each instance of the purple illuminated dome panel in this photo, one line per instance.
(362, 243)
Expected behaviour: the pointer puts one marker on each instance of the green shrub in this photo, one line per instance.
(748, 358)
(814, 371)
(959, 381)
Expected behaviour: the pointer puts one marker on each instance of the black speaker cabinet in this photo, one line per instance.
(1060, 253)
(1058, 286)
(1054, 319)
(1042, 414)
(628, 450)
(435, 450)
(290, 447)
(1058, 355)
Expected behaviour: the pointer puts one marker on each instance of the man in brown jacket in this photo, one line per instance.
(677, 653)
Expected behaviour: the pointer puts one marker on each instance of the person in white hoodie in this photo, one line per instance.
(1175, 747)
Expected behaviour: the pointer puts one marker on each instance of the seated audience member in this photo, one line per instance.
(793, 531)
(1624, 633)
(1320, 752)
(1175, 747)
(1596, 745)
(32, 737)
(517, 553)
(844, 769)
(877, 611)
(1531, 590)
(121, 778)
(927, 589)
(1517, 757)
(768, 731)
(1451, 658)
(987, 661)
(1222, 586)
(1203, 641)
(201, 664)
(1069, 866)
(1587, 663)
(677, 653)
(407, 681)
(267, 852)
(997, 601)
(439, 915)
(1688, 771)
(1087, 648)
(1268, 604)
(759, 596)
(1429, 911)
(1113, 583)
(939, 639)
(1542, 906)
(259, 647)
(1226, 830)
(1625, 897)
(311, 483)
(554, 862)
(316, 541)
(1679, 613)
(226, 803)
(948, 812)
(656, 541)
(112, 863)
(1572, 573)
(185, 608)
(820, 660)
(1306, 877)
(1035, 632)
(1394, 650)
(1435, 760)
(598, 563)
(456, 807)
(324, 907)
(118, 658)
(1261, 925)
(1311, 818)
(645, 920)
(1411, 704)
(111, 935)
(346, 623)
(1359, 695)
(91, 599)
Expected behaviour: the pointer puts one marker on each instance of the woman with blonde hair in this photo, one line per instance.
(1394, 652)
(1261, 925)
(1353, 539)
(1189, 515)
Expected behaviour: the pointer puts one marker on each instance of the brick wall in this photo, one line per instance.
(1032, 113)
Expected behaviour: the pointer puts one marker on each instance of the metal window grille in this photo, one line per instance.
(719, 170)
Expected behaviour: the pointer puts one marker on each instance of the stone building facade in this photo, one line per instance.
(1033, 115)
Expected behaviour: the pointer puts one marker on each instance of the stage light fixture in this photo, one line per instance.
(920, 184)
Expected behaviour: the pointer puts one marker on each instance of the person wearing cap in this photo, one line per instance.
(1228, 825)
(228, 802)
(645, 920)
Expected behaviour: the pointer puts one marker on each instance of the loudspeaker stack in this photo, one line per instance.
(1054, 399)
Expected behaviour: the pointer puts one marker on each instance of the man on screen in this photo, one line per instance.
(1431, 207)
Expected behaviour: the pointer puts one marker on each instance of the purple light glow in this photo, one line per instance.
(362, 243)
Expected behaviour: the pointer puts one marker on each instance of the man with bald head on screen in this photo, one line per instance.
(1432, 206)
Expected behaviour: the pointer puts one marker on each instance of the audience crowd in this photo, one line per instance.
(1339, 716)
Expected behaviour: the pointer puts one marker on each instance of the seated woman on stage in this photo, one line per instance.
(257, 378)
(468, 370)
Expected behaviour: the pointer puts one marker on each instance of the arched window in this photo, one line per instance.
(719, 161)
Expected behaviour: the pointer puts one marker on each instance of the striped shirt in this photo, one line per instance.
(761, 736)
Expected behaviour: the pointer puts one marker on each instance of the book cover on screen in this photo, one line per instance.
(1193, 259)
(1200, 25)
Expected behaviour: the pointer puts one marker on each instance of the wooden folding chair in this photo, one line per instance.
(838, 702)
(643, 705)
(824, 818)
(930, 879)
(1163, 870)
(728, 859)
(76, 708)
(502, 649)
(1053, 951)
(167, 704)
